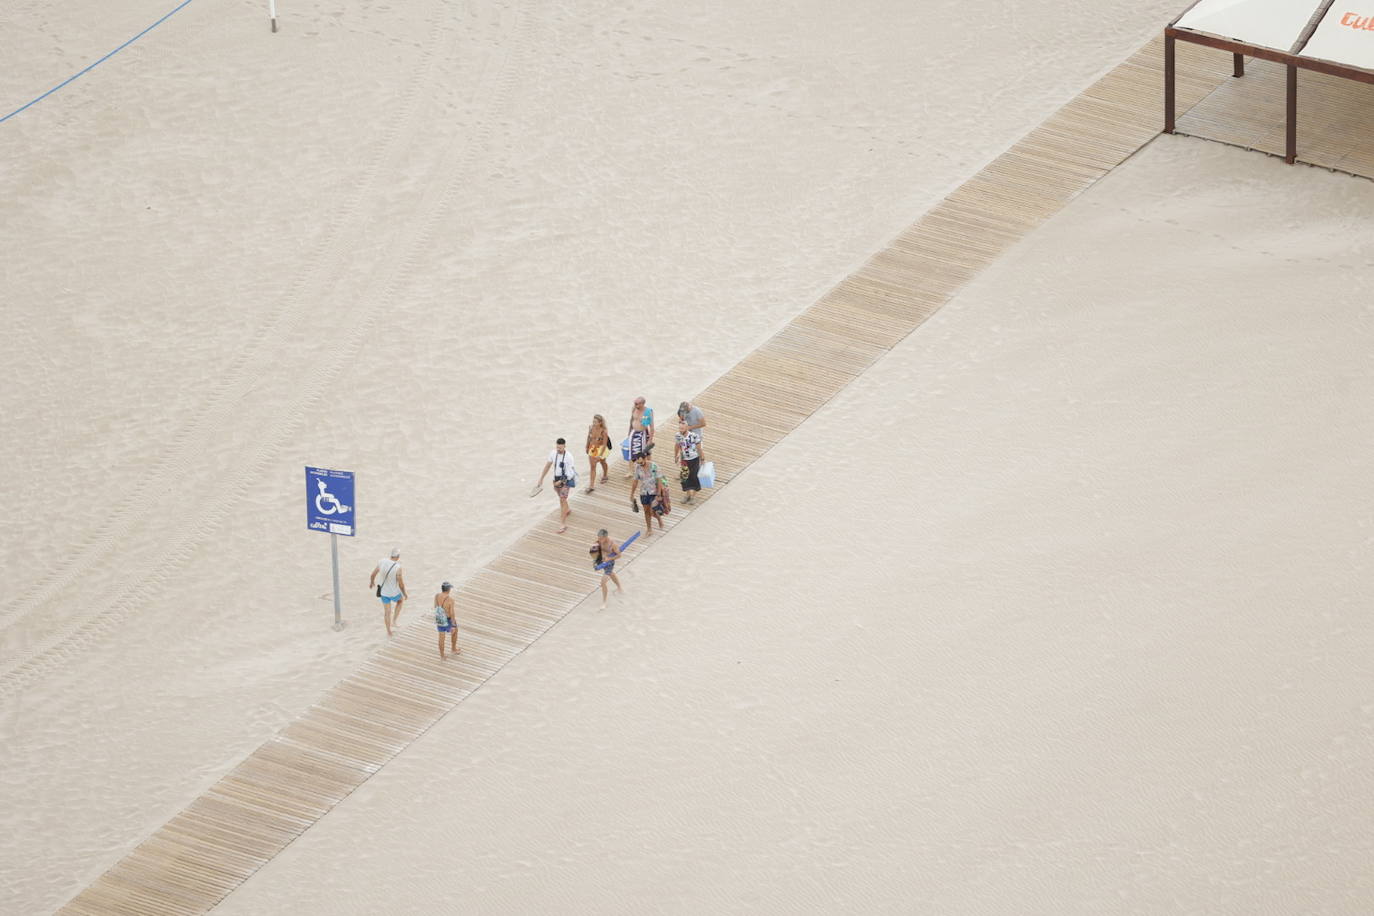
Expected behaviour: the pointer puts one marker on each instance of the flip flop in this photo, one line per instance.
(535, 490)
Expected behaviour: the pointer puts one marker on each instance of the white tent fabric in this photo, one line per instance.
(1345, 35)
(1268, 23)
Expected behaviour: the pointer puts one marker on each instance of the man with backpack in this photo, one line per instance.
(446, 619)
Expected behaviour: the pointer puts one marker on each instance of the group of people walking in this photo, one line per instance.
(649, 495)
(649, 491)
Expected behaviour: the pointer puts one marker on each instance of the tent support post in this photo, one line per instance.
(1292, 132)
(1237, 65)
(1168, 83)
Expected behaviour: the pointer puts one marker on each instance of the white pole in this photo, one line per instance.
(272, 11)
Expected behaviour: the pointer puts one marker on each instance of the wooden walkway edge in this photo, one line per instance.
(295, 778)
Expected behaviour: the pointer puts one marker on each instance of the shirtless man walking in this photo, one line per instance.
(641, 431)
(446, 619)
(604, 554)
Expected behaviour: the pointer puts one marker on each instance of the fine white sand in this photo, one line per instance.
(1062, 608)
(418, 241)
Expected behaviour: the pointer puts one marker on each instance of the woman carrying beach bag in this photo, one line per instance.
(598, 444)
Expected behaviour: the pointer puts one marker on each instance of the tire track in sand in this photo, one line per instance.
(135, 586)
(320, 268)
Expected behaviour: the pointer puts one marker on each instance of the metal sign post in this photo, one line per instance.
(334, 555)
(272, 11)
(329, 506)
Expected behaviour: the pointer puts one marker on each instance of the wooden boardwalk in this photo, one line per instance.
(1335, 116)
(294, 779)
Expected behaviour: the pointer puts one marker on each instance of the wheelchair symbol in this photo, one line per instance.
(325, 498)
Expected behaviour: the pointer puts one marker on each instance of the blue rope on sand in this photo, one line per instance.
(94, 65)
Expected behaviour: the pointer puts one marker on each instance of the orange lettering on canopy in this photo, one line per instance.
(1356, 21)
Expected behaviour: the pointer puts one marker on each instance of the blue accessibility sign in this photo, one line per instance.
(329, 502)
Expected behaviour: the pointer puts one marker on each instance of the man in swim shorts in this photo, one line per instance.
(641, 431)
(391, 589)
(646, 486)
(446, 619)
(604, 553)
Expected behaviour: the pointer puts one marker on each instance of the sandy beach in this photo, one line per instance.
(1067, 619)
(1065, 608)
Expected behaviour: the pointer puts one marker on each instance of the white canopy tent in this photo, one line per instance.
(1300, 34)
(1267, 23)
(1344, 36)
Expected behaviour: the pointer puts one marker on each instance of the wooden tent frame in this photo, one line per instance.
(1291, 59)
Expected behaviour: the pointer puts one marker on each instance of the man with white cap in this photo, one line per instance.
(391, 589)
